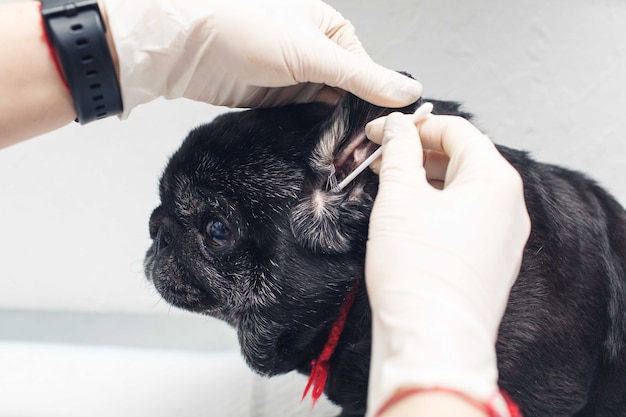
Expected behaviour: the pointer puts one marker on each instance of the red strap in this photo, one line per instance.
(319, 366)
(317, 380)
(487, 407)
(513, 408)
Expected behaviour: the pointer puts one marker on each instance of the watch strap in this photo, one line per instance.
(76, 31)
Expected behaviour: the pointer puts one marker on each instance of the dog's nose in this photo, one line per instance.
(162, 240)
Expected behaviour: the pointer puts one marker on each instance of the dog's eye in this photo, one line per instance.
(217, 233)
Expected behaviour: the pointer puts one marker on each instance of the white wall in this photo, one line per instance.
(549, 77)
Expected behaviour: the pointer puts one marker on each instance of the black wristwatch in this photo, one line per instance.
(76, 32)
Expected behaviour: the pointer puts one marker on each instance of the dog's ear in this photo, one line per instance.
(286, 131)
(325, 221)
(291, 131)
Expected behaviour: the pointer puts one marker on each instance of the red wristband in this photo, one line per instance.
(488, 407)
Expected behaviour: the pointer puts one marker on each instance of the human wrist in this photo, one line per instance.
(454, 356)
(150, 42)
(29, 73)
(76, 35)
(444, 402)
(430, 404)
(428, 329)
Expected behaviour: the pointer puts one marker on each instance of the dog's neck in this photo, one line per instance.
(320, 366)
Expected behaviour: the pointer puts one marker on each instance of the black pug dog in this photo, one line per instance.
(250, 231)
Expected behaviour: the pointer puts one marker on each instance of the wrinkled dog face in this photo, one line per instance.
(246, 214)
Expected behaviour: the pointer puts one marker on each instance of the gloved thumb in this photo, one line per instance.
(401, 167)
(328, 63)
(379, 85)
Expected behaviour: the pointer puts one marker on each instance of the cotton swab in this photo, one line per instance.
(422, 112)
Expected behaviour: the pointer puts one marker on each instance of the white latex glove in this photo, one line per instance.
(244, 53)
(440, 263)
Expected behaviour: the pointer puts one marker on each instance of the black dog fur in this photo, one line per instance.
(248, 232)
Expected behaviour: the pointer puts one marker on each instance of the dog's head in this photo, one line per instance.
(250, 231)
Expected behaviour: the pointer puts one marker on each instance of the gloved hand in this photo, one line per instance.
(244, 53)
(440, 263)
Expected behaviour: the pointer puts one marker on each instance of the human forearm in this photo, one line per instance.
(289, 52)
(33, 97)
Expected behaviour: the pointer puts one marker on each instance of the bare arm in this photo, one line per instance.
(33, 98)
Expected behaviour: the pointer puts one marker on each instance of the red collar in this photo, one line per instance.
(319, 366)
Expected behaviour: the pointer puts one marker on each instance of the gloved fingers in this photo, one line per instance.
(379, 85)
(459, 139)
(338, 29)
(326, 62)
(435, 163)
(374, 130)
(341, 61)
(402, 158)
(455, 149)
(450, 134)
(472, 155)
